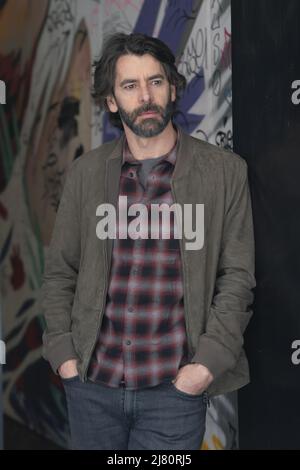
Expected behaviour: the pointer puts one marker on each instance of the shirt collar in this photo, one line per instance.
(169, 156)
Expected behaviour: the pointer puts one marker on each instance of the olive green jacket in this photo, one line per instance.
(218, 279)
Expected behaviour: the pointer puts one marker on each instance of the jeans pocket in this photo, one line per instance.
(186, 394)
(68, 380)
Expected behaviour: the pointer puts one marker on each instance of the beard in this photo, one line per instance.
(148, 126)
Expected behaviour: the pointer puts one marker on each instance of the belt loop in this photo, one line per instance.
(206, 398)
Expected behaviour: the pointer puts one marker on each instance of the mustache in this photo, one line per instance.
(148, 108)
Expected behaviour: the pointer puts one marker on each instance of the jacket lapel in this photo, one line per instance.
(112, 180)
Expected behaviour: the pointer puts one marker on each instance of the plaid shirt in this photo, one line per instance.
(142, 341)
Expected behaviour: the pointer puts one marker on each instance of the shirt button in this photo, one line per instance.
(128, 342)
(131, 174)
(130, 309)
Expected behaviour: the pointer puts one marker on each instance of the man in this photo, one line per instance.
(143, 329)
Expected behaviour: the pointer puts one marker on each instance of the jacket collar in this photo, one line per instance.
(183, 160)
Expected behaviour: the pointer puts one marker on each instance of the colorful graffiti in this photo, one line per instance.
(49, 120)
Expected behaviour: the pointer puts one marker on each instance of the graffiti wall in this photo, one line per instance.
(48, 120)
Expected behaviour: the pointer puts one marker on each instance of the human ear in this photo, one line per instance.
(173, 93)
(111, 103)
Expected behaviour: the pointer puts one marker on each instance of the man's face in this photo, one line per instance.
(142, 95)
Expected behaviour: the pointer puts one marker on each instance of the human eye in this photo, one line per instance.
(131, 86)
(157, 82)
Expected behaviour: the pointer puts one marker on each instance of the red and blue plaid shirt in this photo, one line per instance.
(142, 341)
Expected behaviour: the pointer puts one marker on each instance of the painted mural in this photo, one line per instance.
(49, 119)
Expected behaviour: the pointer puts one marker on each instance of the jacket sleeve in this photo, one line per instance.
(220, 346)
(60, 276)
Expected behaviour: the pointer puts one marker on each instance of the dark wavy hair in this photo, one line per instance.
(136, 43)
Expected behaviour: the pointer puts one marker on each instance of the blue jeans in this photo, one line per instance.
(154, 418)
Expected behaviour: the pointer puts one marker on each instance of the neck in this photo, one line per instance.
(151, 147)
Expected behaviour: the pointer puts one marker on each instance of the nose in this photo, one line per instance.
(145, 95)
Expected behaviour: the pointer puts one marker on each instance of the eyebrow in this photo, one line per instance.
(134, 80)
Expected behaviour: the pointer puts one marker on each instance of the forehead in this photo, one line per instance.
(134, 66)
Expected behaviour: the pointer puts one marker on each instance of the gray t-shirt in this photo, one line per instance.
(146, 167)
